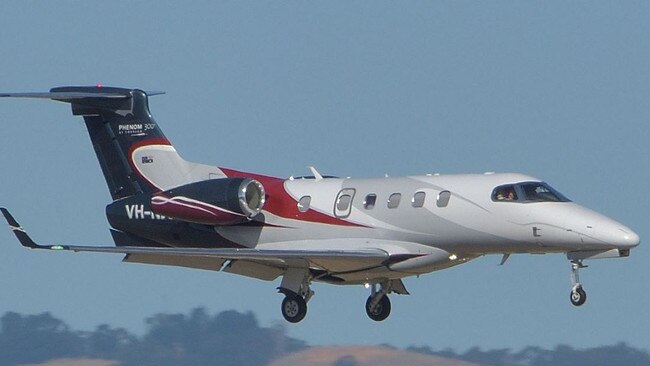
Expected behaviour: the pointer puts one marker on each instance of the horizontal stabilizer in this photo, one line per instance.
(63, 95)
(73, 93)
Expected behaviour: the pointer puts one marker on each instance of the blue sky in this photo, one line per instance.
(552, 89)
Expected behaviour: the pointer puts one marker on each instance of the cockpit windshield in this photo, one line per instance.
(527, 192)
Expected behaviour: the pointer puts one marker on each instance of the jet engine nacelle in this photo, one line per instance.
(224, 201)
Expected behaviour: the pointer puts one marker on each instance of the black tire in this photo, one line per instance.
(381, 311)
(578, 296)
(294, 308)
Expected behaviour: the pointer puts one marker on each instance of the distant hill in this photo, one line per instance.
(316, 356)
(76, 362)
(363, 356)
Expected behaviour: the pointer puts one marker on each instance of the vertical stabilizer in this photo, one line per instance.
(134, 154)
(117, 126)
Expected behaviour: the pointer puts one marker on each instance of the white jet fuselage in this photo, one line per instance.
(457, 214)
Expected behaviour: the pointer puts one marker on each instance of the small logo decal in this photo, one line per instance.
(135, 128)
(130, 129)
(147, 159)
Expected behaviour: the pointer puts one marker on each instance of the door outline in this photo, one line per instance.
(346, 212)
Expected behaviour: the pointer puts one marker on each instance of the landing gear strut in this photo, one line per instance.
(295, 287)
(578, 295)
(378, 303)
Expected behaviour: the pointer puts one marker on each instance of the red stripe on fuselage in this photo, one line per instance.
(280, 203)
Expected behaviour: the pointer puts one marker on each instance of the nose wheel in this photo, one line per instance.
(578, 295)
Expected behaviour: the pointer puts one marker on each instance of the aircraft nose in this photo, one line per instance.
(598, 231)
(629, 239)
(612, 233)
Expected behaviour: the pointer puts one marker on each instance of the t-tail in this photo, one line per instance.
(134, 154)
(118, 124)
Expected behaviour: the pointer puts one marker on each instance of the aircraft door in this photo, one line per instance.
(343, 203)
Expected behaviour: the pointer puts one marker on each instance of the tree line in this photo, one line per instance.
(197, 338)
(234, 338)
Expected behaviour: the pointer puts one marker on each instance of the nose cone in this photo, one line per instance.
(597, 230)
(613, 234)
(628, 238)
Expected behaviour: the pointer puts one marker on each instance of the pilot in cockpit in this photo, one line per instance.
(506, 194)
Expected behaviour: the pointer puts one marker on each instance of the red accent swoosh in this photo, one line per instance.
(280, 203)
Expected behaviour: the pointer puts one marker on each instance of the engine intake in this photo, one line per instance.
(224, 201)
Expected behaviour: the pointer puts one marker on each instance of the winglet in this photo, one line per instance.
(20, 233)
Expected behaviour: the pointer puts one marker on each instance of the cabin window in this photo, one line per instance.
(418, 199)
(343, 204)
(303, 203)
(369, 201)
(443, 199)
(393, 200)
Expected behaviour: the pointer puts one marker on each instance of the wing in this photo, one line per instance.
(268, 263)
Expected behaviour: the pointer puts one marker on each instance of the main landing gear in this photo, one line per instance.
(578, 295)
(294, 308)
(295, 287)
(378, 303)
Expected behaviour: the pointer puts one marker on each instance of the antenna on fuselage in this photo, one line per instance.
(315, 172)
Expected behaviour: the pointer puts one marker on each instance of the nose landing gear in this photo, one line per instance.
(578, 295)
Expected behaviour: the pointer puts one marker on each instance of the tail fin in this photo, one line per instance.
(134, 154)
(117, 126)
